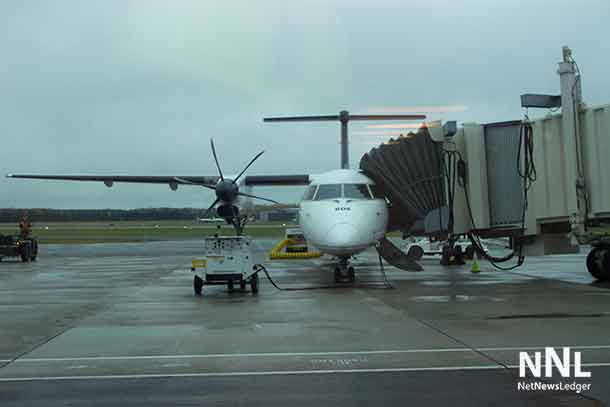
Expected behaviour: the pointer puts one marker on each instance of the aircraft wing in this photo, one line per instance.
(173, 181)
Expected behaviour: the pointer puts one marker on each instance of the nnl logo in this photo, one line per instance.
(551, 359)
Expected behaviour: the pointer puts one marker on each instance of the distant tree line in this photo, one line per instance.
(83, 215)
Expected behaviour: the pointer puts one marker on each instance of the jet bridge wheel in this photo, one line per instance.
(598, 263)
(197, 285)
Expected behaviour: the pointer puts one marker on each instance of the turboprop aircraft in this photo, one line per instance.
(341, 213)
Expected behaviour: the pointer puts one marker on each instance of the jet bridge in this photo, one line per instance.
(541, 182)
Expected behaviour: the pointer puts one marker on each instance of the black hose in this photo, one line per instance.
(260, 267)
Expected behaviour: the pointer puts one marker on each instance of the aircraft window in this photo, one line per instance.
(377, 192)
(328, 191)
(309, 193)
(356, 191)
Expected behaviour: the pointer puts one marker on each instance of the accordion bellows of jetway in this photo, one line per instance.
(408, 170)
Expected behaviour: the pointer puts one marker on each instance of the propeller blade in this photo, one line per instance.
(186, 181)
(258, 197)
(248, 166)
(216, 159)
(210, 208)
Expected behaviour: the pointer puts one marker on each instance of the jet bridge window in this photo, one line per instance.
(356, 191)
(328, 191)
(309, 193)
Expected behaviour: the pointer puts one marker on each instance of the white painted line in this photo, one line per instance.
(273, 373)
(300, 354)
(251, 373)
(241, 355)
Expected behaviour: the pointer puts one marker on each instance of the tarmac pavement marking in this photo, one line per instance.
(290, 354)
(272, 373)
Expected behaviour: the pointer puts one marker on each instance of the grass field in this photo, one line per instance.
(134, 231)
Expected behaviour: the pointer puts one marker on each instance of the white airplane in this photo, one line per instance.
(341, 213)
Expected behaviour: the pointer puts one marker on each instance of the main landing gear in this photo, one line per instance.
(344, 272)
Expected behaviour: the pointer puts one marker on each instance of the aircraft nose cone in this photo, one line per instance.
(343, 234)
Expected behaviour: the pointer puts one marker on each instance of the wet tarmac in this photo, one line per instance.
(113, 324)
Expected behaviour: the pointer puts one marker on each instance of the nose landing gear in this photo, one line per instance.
(344, 272)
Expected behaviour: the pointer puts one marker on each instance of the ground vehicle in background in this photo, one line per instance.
(14, 246)
(417, 248)
(298, 242)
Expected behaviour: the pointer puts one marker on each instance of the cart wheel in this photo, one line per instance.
(242, 285)
(351, 274)
(254, 284)
(230, 285)
(197, 285)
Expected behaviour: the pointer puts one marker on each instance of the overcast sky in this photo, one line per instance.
(139, 87)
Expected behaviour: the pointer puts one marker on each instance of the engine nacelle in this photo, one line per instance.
(227, 211)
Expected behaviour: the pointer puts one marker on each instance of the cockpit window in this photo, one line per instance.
(356, 191)
(328, 191)
(309, 193)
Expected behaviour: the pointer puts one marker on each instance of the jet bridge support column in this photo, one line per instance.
(571, 100)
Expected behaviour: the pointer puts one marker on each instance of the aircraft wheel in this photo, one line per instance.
(598, 263)
(197, 285)
(351, 274)
(242, 285)
(254, 284)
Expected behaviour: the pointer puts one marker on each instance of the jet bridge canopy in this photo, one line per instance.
(408, 169)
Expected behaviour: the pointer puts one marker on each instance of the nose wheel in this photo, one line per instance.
(344, 272)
